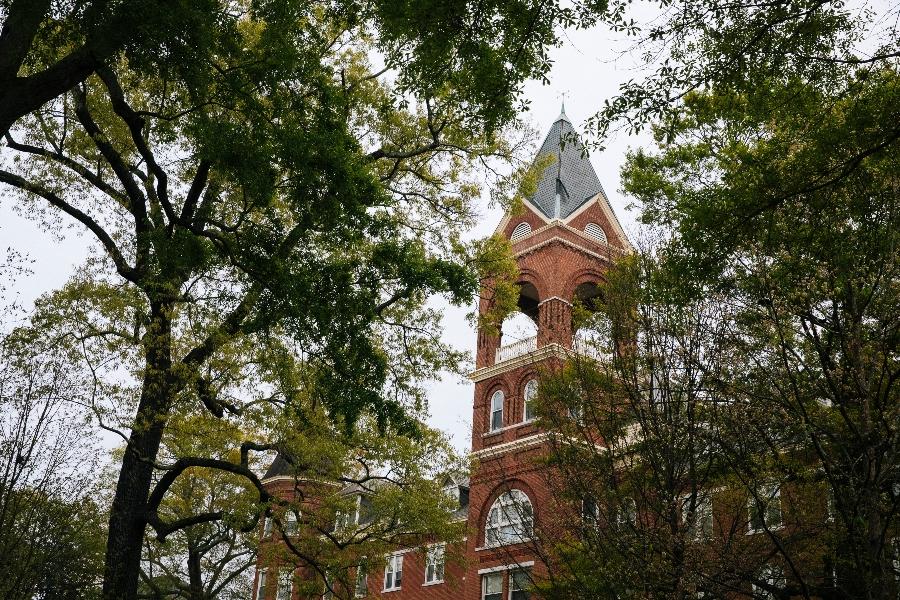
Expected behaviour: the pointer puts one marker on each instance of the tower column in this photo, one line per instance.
(555, 322)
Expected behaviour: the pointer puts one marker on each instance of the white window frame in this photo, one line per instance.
(290, 523)
(394, 568)
(493, 577)
(507, 522)
(285, 576)
(261, 584)
(267, 527)
(699, 524)
(521, 231)
(771, 494)
(591, 516)
(528, 396)
(327, 585)
(595, 232)
(626, 513)
(498, 394)
(512, 581)
(435, 564)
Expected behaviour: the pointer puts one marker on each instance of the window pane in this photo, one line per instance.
(530, 393)
(284, 585)
(261, 587)
(493, 584)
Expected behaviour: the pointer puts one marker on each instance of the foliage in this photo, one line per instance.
(276, 189)
(776, 204)
(51, 527)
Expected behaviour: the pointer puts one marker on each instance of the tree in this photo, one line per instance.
(811, 261)
(350, 501)
(778, 206)
(51, 527)
(274, 192)
(206, 560)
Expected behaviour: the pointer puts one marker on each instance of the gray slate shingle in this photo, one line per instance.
(571, 173)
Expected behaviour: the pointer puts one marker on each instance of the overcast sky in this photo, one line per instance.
(587, 68)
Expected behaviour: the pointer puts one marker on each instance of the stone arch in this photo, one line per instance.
(582, 279)
(527, 275)
(505, 487)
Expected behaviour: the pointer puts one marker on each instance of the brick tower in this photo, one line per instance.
(564, 242)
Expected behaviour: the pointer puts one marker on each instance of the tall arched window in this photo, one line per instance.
(497, 410)
(530, 394)
(510, 520)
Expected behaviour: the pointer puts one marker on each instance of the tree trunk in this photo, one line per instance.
(195, 581)
(127, 519)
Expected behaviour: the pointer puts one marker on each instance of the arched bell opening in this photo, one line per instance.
(528, 300)
(518, 332)
(590, 323)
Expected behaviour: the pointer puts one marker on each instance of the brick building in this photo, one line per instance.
(564, 241)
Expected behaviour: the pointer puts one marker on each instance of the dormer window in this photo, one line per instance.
(521, 231)
(349, 519)
(596, 232)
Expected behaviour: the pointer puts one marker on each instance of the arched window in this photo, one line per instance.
(530, 394)
(510, 520)
(595, 231)
(521, 231)
(497, 410)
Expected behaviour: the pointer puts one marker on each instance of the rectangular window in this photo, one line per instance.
(393, 572)
(699, 521)
(348, 519)
(267, 527)
(519, 583)
(261, 585)
(290, 523)
(492, 586)
(626, 514)
(328, 587)
(590, 512)
(362, 582)
(497, 411)
(530, 395)
(285, 584)
(765, 509)
(434, 564)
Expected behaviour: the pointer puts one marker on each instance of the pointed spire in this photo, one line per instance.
(562, 114)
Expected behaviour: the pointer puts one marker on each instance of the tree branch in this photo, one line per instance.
(122, 266)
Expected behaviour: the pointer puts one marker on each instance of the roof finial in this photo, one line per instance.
(562, 111)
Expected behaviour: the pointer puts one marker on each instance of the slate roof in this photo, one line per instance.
(279, 466)
(571, 174)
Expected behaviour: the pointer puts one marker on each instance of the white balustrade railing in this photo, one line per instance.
(589, 349)
(583, 347)
(516, 349)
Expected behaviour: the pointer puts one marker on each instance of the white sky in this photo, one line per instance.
(586, 68)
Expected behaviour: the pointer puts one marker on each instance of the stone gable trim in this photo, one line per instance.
(526, 442)
(563, 300)
(564, 242)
